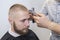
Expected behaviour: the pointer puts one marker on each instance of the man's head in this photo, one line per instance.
(57, 0)
(19, 18)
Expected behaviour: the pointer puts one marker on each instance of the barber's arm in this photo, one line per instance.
(43, 22)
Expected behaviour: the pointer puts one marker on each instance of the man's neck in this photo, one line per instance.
(14, 34)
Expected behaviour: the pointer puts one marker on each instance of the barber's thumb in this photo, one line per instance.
(35, 17)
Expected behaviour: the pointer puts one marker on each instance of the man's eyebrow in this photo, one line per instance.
(25, 19)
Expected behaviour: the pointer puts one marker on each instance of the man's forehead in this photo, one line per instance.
(22, 14)
(23, 17)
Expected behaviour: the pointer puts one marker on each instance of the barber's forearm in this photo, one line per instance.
(54, 27)
(43, 22)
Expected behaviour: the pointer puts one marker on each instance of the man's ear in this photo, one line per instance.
(10, 20)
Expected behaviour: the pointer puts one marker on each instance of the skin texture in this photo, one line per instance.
(21, 24)
(43, 22)
(19, 19)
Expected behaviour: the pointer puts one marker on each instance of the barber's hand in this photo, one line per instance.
(41, 20)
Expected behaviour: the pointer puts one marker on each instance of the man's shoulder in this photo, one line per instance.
(6, 36)
(31, 31)
(32, 34)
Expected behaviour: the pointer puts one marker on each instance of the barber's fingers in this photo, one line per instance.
(36, 19)
(40, 14)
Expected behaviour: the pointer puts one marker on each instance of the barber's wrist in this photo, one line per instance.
(51, 25)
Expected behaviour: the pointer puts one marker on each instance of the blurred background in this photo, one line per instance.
(43, 34)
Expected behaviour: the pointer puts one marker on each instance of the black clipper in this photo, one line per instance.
(33, 13)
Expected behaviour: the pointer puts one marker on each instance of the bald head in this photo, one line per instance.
(16, 7)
